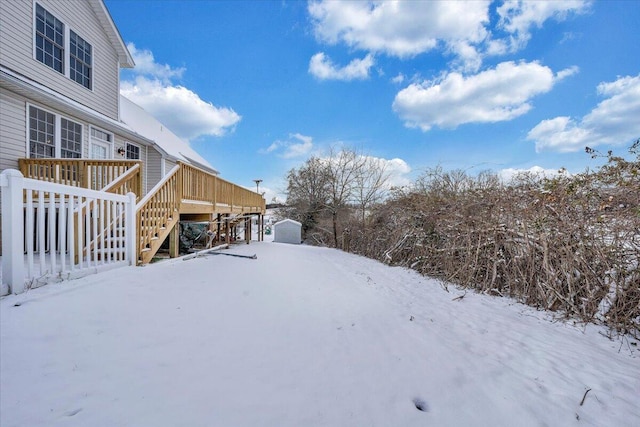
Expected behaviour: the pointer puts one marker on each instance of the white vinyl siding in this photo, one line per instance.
(13, 131)
(18, 52)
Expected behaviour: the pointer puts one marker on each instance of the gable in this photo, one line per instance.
(22, 50)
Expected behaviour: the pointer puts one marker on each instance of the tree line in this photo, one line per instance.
(569, 243)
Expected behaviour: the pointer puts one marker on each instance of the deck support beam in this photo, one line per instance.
(174, 241)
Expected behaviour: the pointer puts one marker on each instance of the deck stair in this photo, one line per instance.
(185, 190)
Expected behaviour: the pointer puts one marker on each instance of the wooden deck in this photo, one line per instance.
(185, 191)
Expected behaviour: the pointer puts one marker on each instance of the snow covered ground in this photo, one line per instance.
(302, 336)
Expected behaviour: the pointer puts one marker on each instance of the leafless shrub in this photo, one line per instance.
(570, 244)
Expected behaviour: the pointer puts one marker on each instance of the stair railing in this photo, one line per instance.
(158, 208)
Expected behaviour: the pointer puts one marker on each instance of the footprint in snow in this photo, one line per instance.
(420, 404)
(72, 413)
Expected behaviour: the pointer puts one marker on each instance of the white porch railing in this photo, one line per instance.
(54, 231)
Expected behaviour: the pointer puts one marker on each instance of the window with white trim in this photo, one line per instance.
(132, 151)
(42, 133)
(70, 139)
(49, 39)
(52, 136)
(100, 144)
(79, 60)
(62, 49)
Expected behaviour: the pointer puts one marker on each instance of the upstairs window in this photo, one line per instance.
(79, 60)
(49, 39)
(59, 47)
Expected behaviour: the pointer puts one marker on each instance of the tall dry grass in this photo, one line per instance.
(570, 244)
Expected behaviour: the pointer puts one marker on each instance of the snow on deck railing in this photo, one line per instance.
(58, 231)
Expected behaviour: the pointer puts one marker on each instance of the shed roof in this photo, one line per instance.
(288, 221)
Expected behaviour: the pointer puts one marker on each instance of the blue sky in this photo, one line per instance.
(257, 87)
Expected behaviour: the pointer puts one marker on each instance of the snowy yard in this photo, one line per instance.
(302, 336)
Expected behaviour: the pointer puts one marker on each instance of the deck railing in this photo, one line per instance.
(203, 186)
(159, 210)
(51, 230)
(128, 182)
(84, 173)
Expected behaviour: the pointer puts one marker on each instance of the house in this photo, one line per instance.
(63, 121)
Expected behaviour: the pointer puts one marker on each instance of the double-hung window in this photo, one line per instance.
(132, 152)
(62, 49)
(51, 135)
(79, 60)
(42, 133)
(49, 39)
(70, 139)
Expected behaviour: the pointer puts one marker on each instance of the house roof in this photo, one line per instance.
(103, 15)
(144, 124)
(35, 91)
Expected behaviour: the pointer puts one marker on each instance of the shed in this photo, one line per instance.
(287, 231)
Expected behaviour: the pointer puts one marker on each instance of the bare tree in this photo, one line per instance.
(307, 192)
(343, 168)
(370, 185)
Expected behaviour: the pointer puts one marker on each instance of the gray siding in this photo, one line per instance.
(13, 130)
(121, 143)
(16, 51)
(154, 164)
(145, 166)
(168, 165)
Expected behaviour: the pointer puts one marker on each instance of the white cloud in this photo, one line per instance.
(518, 17)
(461, 28)
(398, 28)
(613, 121)
(567, 72)
(179, 108)
(494, 95)
(509, 173)
(323, 68)
(398, 79)
(297, 145)
(398, 171)
(146, 65)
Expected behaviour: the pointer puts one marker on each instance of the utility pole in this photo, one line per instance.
(257, 181)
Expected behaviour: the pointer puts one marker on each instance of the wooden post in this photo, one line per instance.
(83, 173)
(174, 241)
(219, 218)
(227, 230)
(132, 221)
